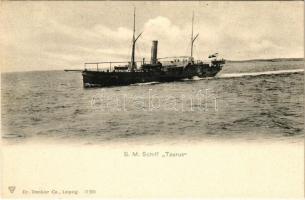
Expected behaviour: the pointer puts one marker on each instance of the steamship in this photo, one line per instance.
(157, 70)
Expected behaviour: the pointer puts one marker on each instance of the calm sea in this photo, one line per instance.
(241, 104)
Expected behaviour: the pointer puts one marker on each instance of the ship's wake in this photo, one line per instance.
(236, 75)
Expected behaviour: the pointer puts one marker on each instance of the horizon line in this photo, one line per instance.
(228, 60)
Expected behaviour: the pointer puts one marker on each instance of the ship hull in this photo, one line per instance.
(107, 79)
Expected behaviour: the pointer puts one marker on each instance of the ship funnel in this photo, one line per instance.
(154, 52)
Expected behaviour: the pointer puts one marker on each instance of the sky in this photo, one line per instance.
(53, 35)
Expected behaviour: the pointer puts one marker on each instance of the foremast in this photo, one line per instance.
(133, 65)
(192, 37)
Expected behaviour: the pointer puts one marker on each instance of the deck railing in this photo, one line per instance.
(108, 66)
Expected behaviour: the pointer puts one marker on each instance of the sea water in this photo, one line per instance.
(245, 102)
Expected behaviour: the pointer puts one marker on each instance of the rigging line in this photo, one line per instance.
(138, 50)
(197, 52)
(188, 47)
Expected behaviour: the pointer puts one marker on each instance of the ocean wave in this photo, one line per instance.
(195, 78)
(148, 83)
(236, 75)
(12, 135)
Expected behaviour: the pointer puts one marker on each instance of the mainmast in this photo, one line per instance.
(192, 38)
(134, 39)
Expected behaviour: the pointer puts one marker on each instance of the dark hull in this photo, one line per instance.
(106, 79)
